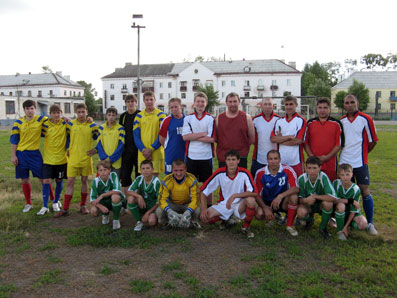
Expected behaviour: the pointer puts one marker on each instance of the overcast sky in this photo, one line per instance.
(88, 39)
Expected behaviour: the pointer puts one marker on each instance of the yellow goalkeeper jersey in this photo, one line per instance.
(26, 134)
(55, 140)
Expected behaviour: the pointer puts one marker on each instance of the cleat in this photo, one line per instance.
(282, 220)
(247, 232)
(195, 225)
(292, 231)
(298, 222)
(43, 211)
(270, 223)
(62, 213)
(332, 223)
(122, 211)
(341, 236)
(84, 210)
(309, 223)
(56, 207)
(325, 234)
(371, 229)
(27, 208)
(139, 226)
(166, 227)
(116, 224)
(223, 225)
(232, 221)
(105, 219)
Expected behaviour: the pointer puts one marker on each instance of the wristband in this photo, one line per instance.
(350, 201)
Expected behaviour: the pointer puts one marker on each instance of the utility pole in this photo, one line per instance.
(138, 16)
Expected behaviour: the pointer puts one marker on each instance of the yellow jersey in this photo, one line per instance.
(26, 134)
(56, 137)
(82, 137)
(179, 193)
(111, 143)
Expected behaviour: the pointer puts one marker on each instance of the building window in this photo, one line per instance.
(378, 94)
(209, 83)
(70, 93)
(124, 86)
(274, 93)
(161, 107)
(260, 94)
(67, 108)
(64, 92)
(19, 93)
(183, 83)
(124, 96)
(392, 93)
(233, 83)
(183, 95)
(124, 108)
(288, 82)
(223, 94)
(10, 107)
(75, 107)
(30, 93)
(169, 84)
(74, 93)
(111, 97)
(274, 82)
(392, 106)
(246, 83)
(57, 103)
(169, 95)
(260, 82)
(39, 94)
(223, 83)
(196, 83)
(2, 93)
(379, 106)
(161, 96)
(10, 93)
(79, 93)
(51, 93)
(161, 84)
(111, 86)
(246, 94)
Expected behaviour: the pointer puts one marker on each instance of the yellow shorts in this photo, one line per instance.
(157, 160)
(80, 171)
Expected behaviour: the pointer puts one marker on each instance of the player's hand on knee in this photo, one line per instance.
(229, 202)
(185, 220)
(310, 199)
(141, 203)
(268, 214)
(173, 217)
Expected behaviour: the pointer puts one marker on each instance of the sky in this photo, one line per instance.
(88, 39)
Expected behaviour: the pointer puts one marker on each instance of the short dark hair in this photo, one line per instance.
(148, 93)
(81, 106)
(202, 95)
(55, 108)
(313, 160)
(345, 167)
(146, 162)
(232, 152)
(233, 94)
(178, 162)
(290, 98)
(131, 97)
(29, 103)
(104, 163)
(175, 99)
(324, 100)
(351, 96)
(272, 152)
(111, 110)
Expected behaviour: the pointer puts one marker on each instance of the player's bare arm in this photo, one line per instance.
(345, 229)
(14, 158)
(326, 198)
(203, 208)
(279, 138)
(293, 142)
(206, 139)
(241, 195)
(251, 129)
(276, 202)
(145, 217)
(332, 153)
(308, 149)
(371, 146)
(194, 136)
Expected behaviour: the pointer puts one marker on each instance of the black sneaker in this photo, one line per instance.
(325, 233)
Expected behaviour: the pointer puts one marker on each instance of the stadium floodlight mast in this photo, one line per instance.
(138, 16)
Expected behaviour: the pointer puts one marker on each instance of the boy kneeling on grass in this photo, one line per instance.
(106, 194)
(142, 196)
(349, 202)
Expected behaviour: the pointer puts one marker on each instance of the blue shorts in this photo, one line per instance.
(255, 166)
(29, 160)
(361, 175)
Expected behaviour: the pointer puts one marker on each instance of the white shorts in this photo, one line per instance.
(225, 213)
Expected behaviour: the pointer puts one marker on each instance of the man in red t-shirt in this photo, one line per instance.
(235, 130)
(324, 137)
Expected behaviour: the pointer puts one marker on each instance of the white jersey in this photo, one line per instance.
(358, 134)
(263, 131)
(197, 150)
(291, 155)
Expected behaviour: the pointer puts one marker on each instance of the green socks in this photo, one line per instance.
(116, 207)
(325, 217)
(340, 221)
(135, 211)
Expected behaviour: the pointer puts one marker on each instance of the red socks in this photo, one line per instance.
(66, 202)
(83, 199)
(214, 219)
(249, 215)
(52, 197)
(291, 215)
(27, 191)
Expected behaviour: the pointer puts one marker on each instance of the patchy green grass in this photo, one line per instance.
(6, 290)
(141, 286)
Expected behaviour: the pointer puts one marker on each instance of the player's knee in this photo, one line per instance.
(116, 199)
(94, 211)
(326, 205)
(301, 212)
(130, 200)
(259, 213)
(152, 221)
(251, 203)
(46, 181)
(340, 207)
(293, 199)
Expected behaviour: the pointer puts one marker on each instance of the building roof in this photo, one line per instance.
(36, 79)
(218, 67)
(371, 80)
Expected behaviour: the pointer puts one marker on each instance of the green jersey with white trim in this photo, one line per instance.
(322, 186)
(353, 192)
(149, 192)
(99, 186)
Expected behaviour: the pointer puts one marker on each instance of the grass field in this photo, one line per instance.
(77, 256)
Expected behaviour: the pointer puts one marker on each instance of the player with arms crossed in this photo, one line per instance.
(277, 188)
(142, 197)
(236, 197)
(106, 194)
(316, 195)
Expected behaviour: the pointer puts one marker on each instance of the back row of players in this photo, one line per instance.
(141, 136)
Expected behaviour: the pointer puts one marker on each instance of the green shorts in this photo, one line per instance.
(316, 207)
(149, 205)
(107, 202)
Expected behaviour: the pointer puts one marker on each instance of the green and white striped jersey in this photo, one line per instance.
(99, 186)
(353, 192)
(322, 185)
(149, 192)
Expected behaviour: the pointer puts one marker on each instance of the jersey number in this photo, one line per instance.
(281, 181)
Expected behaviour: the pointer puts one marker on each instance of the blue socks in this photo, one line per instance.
(46, 194)
(368, 204)
(58, 191)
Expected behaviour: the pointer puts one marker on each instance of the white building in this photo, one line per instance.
(251, 79)
(45, 88)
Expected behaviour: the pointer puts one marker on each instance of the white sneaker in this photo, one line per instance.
(116, 224)
(105, 219)
(43, 211)
(195, 225)
(56, 207)
(341, 236)
(247, 232)
(138, 226)
(292, 231)
(27, 208)
(371, 229)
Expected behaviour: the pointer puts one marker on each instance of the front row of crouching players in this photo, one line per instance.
(178, 198)
(237, 194)
(277, 188)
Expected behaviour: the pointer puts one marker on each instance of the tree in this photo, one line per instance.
(46, 69)
(340, 99)
(89, 97)
(211, 94)
(361, 92)
(328, 73)
(319, 88)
